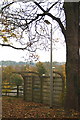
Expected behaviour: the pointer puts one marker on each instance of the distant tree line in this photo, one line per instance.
(9, 62)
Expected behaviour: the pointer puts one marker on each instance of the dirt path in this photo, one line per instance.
(18, 108)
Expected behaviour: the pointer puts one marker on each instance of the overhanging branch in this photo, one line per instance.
(6, 6)
(8, 45)
(39, 6)
(53, 17)
(52, 6)
(59, 22)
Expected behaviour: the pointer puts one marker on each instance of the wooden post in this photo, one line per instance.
(17, 90)
(63, 91)
(24, 87)
(41, 85)
(32, 88)
(6, 92)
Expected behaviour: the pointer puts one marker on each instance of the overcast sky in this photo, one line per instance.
(8, 53)
(59, 54)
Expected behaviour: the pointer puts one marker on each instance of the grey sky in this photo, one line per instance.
(17, 55)
(58, 55)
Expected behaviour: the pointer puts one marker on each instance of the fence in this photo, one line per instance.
(12, 90)
(37, 89)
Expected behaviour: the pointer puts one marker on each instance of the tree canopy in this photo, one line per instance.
(25, 22)
(16, 79)
(40, 68)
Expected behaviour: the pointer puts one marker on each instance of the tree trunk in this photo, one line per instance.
(71, 10)
(79, 62)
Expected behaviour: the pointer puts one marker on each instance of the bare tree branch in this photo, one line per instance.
(53, 17)
(29, 19)
(52, 6)
(8, 45)
(6, 6)
(59, 22)
(39, 6)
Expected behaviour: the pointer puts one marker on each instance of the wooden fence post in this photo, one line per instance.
(32, 88)
(6, 92)
(17, 90)
(24, 88)
(41, 86)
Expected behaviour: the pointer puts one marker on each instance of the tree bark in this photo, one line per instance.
(79, 61)
(71, 10)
